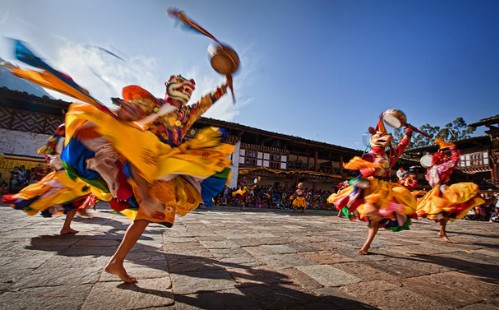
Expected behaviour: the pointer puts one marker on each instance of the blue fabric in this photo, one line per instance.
(21, 204)
(74, 156)
(211, 187)
(127, 170)
(24, 54)
(131, 201)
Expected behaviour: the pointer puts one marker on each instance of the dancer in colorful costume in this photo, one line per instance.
(299, 198)
(371, 196)
(407, 179)
(192, 172)
(445, 202)
(56, 193)
(241, 195)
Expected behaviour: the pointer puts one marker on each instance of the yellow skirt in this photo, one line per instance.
(299, 202)
(454, 203)
(56, 188)
(390, 203)
(177, 196)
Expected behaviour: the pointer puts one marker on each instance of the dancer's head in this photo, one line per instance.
(179, 90)
(444, 152)
(380, 137)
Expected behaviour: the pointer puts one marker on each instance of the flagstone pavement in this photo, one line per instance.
(226, 258)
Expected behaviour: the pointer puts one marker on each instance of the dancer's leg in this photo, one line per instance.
(443, 233)
(66, 228)
(373, 229)
(132, 235)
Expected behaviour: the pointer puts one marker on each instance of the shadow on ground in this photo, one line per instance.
(254, 288)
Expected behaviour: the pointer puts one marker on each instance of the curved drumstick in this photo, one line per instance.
(417, 130)
(179, 15)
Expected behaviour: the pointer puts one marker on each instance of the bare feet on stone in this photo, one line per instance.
(444, 236)
(364, 251)
(113, 267)
(69, 231)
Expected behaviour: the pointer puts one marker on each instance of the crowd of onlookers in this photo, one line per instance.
(271, 197)
(488, 211)
(251, 196)
(20, 177)
(278, 197)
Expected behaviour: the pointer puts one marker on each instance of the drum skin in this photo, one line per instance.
(223, 59)
(394, 118)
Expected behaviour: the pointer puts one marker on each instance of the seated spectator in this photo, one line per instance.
(14, 185)
(482, 212)
(494, 217)
(471, 214)
(23, 176)
(38, 172)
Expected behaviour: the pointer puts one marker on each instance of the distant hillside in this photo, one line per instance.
(13, 82)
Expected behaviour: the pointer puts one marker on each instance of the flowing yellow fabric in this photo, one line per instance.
(382, 197)
(345, 192)
(50, 81)
(177, 196)
(358, 163)
(456, 200)
(380, 200)
(154, 159)
(56, 188)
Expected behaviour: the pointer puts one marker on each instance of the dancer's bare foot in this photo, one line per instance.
(69, 231)
(444, 236)
(363, 251)
(113, 267)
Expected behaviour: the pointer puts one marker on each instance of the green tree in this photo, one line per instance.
(453, 131)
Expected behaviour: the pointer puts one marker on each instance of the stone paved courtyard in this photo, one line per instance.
(224, 258)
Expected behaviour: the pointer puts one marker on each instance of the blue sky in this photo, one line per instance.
(321, 70)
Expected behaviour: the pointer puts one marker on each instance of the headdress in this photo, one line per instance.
(51, 147)
(380, 127)
(179, 88)
(140, 97)
(444, 145)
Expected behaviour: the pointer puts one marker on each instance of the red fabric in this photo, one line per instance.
(8, 198)
(125, 191)
(118, 205)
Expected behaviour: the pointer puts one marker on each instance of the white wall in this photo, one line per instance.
(235, 165)
(21, 142)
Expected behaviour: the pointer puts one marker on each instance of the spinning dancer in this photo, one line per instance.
(444, 202)
(56, 193)
(371, 196)
(195, 172)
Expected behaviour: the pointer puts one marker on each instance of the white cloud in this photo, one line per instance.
(104, 75)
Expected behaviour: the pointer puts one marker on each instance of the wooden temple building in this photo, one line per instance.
(274, 157)
(26, 121)
(479, 159)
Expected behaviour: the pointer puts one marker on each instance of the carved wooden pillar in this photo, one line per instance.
(341, 165)
(316, 161)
